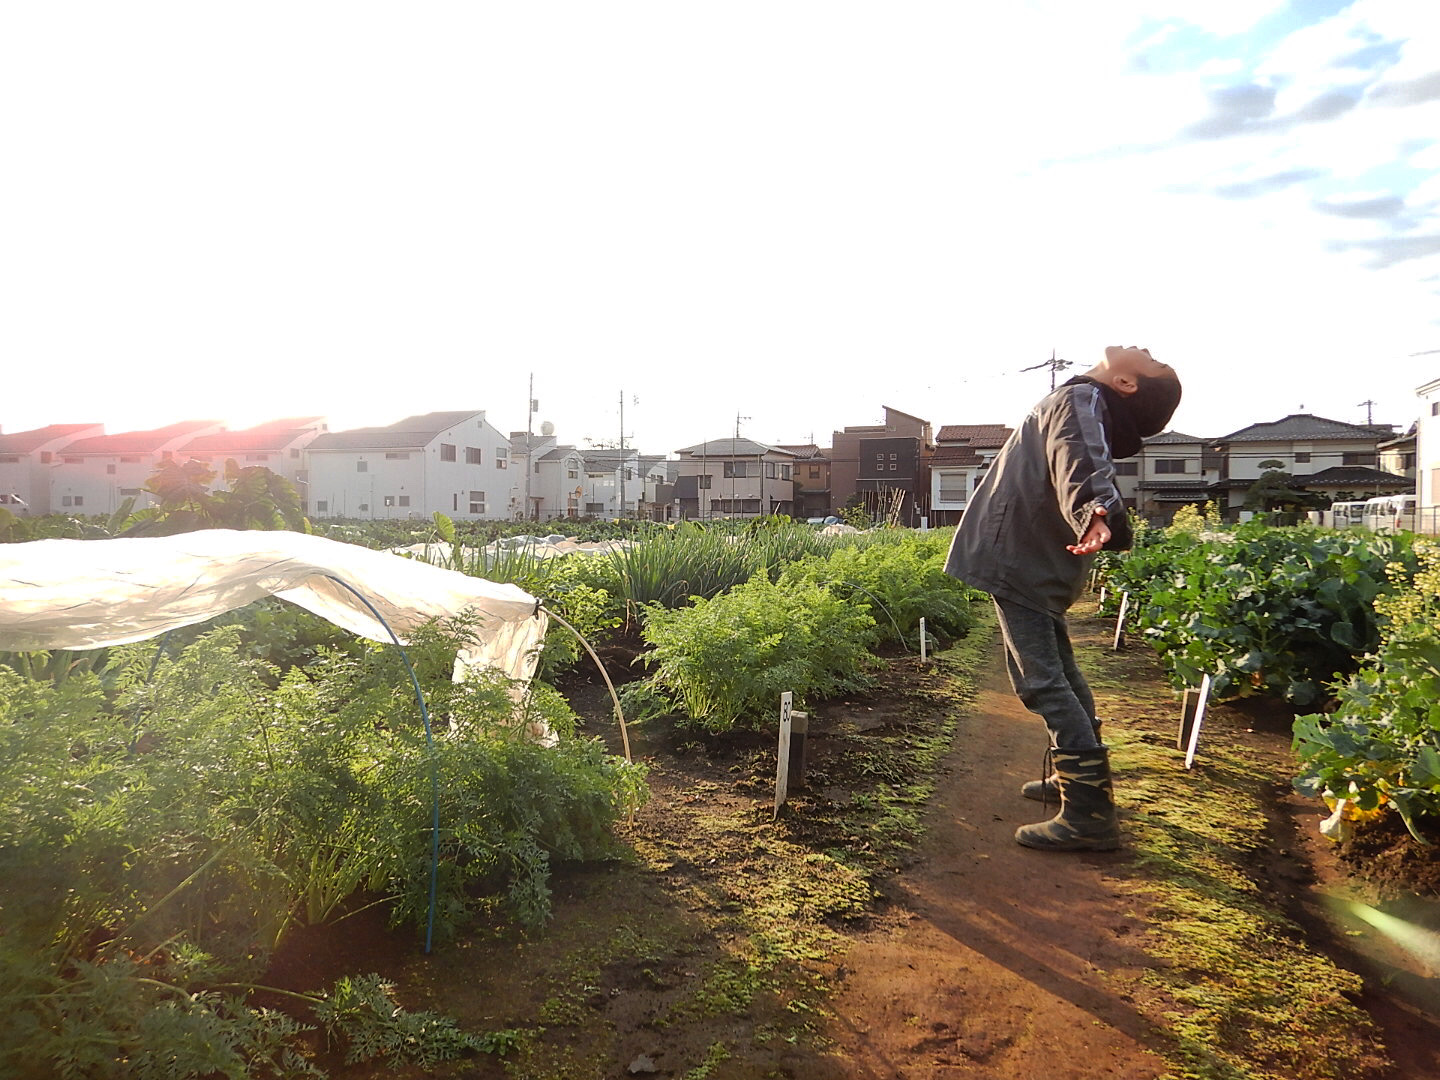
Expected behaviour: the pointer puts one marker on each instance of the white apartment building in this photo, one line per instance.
(453, 462)
(1427, 460)
(96, 475)
(27, 459)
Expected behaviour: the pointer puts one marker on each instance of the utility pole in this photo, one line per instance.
(735, 453)
(620, 512)
(529, 443)
(1368, 405)
(1053, 364)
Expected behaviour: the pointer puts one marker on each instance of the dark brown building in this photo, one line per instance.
(884, 467)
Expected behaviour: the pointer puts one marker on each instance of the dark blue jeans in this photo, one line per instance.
(1045, 676)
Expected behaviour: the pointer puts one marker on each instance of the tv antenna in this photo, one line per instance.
(1055, 365)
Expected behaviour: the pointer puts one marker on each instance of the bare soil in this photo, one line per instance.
(882, 927)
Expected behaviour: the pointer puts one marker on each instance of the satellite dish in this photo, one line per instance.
(547, 428)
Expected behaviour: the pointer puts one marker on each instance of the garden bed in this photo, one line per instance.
(888, 926)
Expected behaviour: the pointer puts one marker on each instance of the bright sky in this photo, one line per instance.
(793, 211)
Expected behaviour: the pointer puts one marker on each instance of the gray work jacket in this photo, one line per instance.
(1040, 493)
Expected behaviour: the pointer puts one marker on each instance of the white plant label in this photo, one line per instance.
(1120, 620)
(1199, 718)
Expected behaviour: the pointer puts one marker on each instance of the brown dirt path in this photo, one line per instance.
(992, 963)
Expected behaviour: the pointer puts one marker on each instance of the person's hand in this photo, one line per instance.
(1095, 538)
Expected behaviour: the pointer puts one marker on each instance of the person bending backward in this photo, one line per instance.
(1028, 536)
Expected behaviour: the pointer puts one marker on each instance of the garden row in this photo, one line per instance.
(170, 810)
(1343, 623)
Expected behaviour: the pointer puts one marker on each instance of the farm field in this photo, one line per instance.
(722, 944)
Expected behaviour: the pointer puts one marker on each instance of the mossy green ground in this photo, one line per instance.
(1243, 993)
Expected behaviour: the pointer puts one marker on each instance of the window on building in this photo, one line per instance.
(473, 456)
(109, 470)
(73, 460)
(704, 480)
(404, 500)
(447, 451)
(1302, 457)
(733, 468)
(594, 508)
(814, 472)
(364, 508)
(79, 500)
(784, 472)
(1170, 465)
(502, 453)
(257, 457)
(573, 474)
(10, 459)
(397, 455)
(477, 502)
(45, 457)
(294, 452)
(454, 504)
(362, 466)
(322, 506)
(389, 500)
(126, 493)
(1127, 468)
(1435, 408)
(770, 470)
(1360, 457)
(133, 460)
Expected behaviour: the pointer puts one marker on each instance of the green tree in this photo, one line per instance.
(255, 499)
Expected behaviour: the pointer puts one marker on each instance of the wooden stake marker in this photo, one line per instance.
(782, 763)
(923, 654)
(1192, 716)
(1119, 642)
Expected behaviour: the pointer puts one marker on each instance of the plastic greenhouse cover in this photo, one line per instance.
(83, 594)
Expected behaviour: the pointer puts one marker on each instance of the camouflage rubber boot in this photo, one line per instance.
(1087, 820)
(1048, 790)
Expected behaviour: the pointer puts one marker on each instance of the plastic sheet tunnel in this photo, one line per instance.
(86, 594)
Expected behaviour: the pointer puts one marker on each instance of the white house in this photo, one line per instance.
(559, 483)
(1326, 457)
(96, 475)
(454, 462)
(278, 445)
(1427, 460)
(734, 478)
(613, 486)
(1171, 470)
(27, 459)
(962, 454)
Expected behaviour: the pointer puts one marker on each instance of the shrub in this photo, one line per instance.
(729, 658)
(1263, 610)
(903, 576)
(1382, 745)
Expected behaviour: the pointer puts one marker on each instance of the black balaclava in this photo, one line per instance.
(1133, 418)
